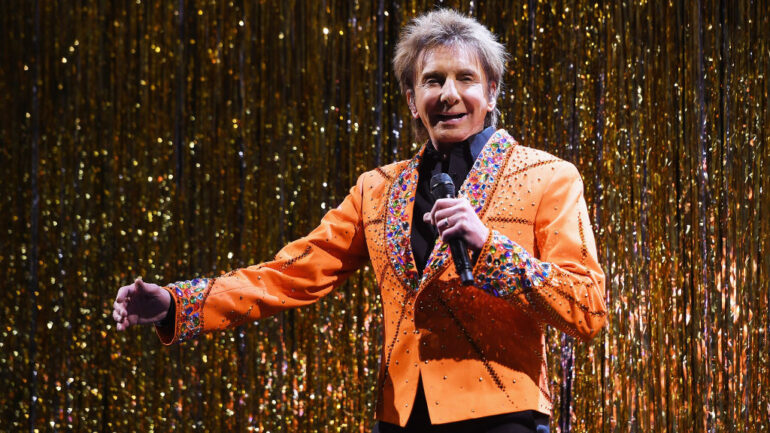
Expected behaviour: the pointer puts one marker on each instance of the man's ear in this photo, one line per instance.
(412, 106)
(491, 100)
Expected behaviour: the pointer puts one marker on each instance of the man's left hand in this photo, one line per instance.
(455, 218)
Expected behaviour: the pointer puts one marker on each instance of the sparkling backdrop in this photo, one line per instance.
(186, 138)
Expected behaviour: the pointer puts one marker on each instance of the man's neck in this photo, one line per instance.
(476, 142)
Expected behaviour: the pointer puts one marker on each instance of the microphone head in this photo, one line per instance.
(441, 186)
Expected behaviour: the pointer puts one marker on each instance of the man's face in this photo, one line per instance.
(450, 95)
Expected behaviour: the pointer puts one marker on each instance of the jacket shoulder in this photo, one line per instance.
(383, 176)
(387, 172)
(375, 184)
(527, 159)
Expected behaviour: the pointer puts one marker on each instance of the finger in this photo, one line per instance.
(457, 204)
(121, 296)
(437, 205)
(444, 225)
(117, 315)
(124, 293)
(431, 219)
(456, 231)
(446, 202)
(116, 306)
(443, 222)
(449, 212)
(428, 219)
(139, 285)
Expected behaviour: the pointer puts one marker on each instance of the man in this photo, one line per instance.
(456, 358)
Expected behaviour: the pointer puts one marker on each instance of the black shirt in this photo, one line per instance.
(457, 163)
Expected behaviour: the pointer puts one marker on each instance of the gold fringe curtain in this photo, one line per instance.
(186, 138)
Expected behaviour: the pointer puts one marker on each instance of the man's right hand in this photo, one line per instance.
(140, 303)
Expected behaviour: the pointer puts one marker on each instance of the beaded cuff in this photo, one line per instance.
(189, 296)
(504, 267)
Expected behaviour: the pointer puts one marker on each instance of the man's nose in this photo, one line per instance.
(449, 93)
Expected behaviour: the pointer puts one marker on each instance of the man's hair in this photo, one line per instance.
(448, 28)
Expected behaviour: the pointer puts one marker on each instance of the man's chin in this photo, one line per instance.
(448, 137)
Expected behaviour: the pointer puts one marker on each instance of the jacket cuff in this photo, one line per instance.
(504, 267)
(188, 321)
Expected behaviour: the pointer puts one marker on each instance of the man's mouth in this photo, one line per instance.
(446, 117)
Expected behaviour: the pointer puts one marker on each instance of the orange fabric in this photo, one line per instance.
(481, 349)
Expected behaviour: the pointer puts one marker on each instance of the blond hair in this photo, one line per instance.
(448, 28)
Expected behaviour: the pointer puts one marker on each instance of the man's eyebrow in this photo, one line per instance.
(431, 74)
(468, 72)
(438, 74)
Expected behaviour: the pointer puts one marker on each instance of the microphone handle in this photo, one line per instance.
(462, 261)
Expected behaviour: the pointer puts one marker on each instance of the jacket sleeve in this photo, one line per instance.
(564, 286)
(301, 273)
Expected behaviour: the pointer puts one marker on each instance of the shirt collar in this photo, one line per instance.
(475, 143)
(478, 141)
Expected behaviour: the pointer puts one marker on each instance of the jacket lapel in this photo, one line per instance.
(478, 188)
(398, 223)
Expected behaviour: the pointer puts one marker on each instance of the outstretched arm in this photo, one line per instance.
(301, 273)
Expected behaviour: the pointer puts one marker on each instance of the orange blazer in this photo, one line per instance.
(479, 349)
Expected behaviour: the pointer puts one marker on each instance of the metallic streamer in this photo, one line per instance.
(176, 139)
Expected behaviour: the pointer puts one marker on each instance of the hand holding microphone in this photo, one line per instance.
(457, 224)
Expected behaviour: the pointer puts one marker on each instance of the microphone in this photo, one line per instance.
(441, 186)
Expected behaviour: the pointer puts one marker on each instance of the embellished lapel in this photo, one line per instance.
(398, 223)
(478, 187)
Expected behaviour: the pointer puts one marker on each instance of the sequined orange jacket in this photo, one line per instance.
(481, 349)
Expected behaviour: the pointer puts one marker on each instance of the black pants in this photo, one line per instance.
(528, 421)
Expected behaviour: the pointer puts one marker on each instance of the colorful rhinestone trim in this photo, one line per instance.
(398, 223)
(505, 267)
(477, 188)
(189, 297)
